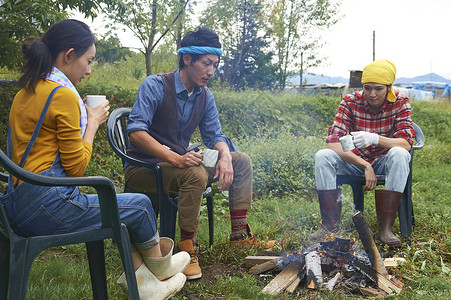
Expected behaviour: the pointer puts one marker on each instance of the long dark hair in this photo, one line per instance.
(42, 53)
(203, 36)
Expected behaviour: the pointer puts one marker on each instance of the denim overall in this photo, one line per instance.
(43, 210)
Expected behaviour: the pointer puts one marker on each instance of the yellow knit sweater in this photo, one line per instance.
(60, 130)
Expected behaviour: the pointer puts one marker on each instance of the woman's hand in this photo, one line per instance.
(98, 115)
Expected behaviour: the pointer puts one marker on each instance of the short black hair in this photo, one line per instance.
(203, 36)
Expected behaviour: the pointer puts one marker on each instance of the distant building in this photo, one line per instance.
(355, 79)
(439, 90)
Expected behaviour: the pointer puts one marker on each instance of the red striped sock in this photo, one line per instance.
(186, 235)
(238, 219)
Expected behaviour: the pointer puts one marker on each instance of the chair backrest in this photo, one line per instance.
(419, 137)
(117, 132)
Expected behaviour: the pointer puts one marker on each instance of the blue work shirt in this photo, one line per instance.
(150, 96)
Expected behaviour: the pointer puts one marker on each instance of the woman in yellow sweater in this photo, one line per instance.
(62, 147)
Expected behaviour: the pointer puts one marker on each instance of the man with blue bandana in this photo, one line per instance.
(168, 109)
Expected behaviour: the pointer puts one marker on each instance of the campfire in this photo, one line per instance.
(335, 263)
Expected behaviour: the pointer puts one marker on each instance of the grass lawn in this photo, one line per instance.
(286, 209)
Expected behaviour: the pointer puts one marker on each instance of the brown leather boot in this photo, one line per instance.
(330, 207)
(193, 271)
(387, 203)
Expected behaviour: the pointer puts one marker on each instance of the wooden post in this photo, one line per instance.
(366, 236)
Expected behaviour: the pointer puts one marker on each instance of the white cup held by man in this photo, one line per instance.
(346, 143)
(95, 100)
(210, 157)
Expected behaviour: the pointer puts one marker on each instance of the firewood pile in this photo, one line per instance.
(338, 263)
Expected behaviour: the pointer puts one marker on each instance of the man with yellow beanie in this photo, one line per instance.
(379, 120)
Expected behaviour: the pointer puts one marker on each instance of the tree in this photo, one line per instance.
(22, 18)
(294, 26)
(110, 50)
(149, 20)
(246, 59)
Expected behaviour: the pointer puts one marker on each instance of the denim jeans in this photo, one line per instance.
(394, 165)
(43, 210)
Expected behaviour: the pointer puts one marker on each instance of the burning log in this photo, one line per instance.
(366, 237)
(382, 280)
(284, 279)
(301, 275)
(271, 253)
(251, 261)
(373, 292)
(293, 285)
(338, 261)
(387, 285)
(361, 266)
(373, 254)
(393, 262)
(314, 272)
(266, 266)
(331, 283)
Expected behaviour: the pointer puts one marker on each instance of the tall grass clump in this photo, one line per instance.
(245, 114)
(283, 163)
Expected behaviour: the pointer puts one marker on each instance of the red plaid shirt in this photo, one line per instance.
(354, 114)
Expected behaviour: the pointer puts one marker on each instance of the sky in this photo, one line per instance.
(413, 34)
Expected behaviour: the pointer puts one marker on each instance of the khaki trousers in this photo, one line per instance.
(190, 184)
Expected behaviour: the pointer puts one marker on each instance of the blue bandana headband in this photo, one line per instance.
(199, 50)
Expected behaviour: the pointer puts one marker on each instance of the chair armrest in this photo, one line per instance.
(3, 177)
(194, 147)
(103, 186)
(137, 162)
(153, 166)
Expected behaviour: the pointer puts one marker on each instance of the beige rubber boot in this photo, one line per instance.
(168, 265)
(150, 288)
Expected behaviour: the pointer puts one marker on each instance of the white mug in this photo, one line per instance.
(347, 143)
(95, 100)
(210, 157)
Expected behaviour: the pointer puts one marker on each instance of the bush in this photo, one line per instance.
(283, 164)
(244, 114)
(7, 93)
(433, 117)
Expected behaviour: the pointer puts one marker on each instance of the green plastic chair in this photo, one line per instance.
(17, 253)
(405, 210)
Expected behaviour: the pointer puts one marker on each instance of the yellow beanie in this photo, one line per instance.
(381, 71)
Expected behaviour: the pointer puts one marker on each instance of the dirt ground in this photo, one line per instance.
(210, 270)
